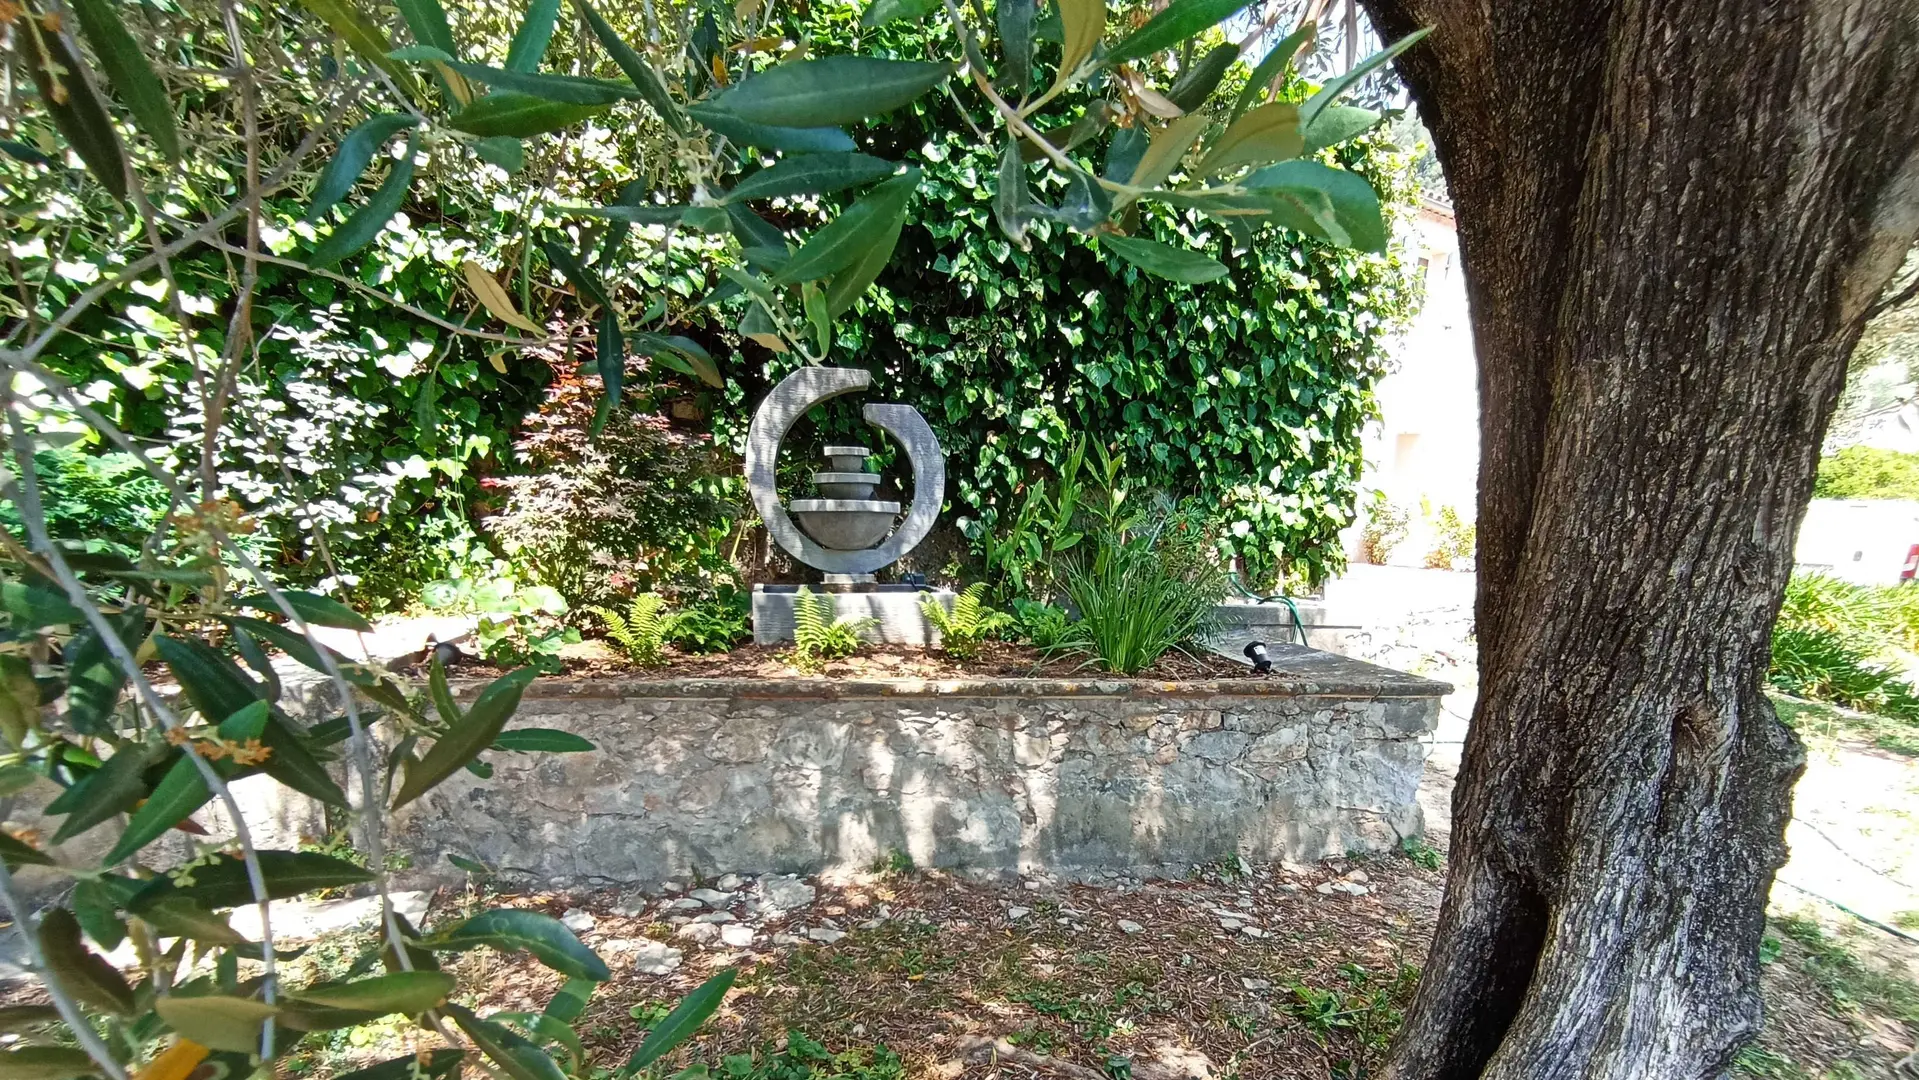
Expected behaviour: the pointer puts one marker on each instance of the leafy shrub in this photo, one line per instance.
(1826, 665)
(1145, 591)
(968, 624)
(1867, 472)
(105, 503)
(819, 636)
(1454, 542)
(641, 631)
(712, 625)
(521, 625)
(1385, 529)
(640, 506)
(1042, 626)
(1826, 603)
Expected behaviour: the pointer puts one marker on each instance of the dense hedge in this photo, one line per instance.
(1248, 394)
(1866, 472)
(361, 433)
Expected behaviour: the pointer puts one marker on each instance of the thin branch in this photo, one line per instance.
(1899, 299)
(132, 271)
(387, 298)
(69, 1011)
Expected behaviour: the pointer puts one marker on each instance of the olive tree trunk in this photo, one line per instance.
(1673, 218)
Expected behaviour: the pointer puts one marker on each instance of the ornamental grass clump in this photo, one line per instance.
(1149, 588)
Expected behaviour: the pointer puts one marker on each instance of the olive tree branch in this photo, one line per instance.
(77, 1022)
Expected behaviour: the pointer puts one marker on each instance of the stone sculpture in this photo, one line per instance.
(845, 533)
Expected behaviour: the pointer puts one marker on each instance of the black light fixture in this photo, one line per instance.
(1256, 652)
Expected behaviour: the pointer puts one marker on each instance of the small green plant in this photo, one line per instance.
(1455, 541)
(1421, 853)
(1142, 594)
(710, 626)
(895, 862)
(1906, 920)
(820, 636)
(969, 623)
(1385, 529)
(641, 632)
(1042, 626)
(520, 626)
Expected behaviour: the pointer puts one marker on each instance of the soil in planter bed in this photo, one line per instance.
(595, 659)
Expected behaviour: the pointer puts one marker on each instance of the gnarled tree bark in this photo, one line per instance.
(1673, 215)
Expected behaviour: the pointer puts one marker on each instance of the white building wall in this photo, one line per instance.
(1424, 451)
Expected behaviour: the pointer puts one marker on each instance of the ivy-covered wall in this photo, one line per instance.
(365, 441)
(1247, 394)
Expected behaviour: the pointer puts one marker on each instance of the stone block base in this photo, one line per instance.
(896, 607)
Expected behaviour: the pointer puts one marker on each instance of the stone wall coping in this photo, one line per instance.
(1298, 672)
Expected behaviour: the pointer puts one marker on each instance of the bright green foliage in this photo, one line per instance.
(1847, 644)
(102, 502)
(969, 623)
(1148, 587)
(641, 631)
(1455, 541)
(1867, 472)
(820, 634)
(1042, 626)
(713, 625)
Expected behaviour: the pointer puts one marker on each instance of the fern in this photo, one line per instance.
(968, 624)
(818, 636)
(641, 631)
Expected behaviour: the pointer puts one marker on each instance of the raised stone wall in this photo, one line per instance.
(714, 775)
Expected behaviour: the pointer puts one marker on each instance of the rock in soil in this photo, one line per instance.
(656, 958)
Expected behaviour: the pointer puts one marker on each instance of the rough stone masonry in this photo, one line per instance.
(1066, 776)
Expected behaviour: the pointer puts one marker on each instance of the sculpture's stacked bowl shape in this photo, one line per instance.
(847, 518)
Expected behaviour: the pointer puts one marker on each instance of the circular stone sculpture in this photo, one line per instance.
(782, 408)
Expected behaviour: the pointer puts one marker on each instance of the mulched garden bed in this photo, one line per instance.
(594, 659)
